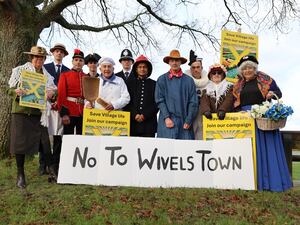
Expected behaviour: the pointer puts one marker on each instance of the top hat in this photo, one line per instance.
(174, 54)
(247, 58)
(78, 54)
(194, 58)
(142, 59)
(92, 58)
(37, 51)
(126, 54)
(60, 47)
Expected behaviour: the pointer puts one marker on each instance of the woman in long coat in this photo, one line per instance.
(29, 125)
(254, 87)
(142, 105)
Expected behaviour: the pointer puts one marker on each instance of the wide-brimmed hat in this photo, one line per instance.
(60, 47)
(37, 51)
(126, 54)
(247, 58)
(174, 54)
(142, 59)
(217, 67)
(92, 58)
(194, 58)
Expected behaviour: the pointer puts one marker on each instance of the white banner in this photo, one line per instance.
(156, 162)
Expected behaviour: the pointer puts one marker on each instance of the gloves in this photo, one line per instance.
(208, 115)
(221, 115)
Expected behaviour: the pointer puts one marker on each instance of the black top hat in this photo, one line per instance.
(78, 54)
(126, 54)
(247, 58)
(194, 58)
(92, 58)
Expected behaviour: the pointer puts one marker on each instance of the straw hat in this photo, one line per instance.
(174, 54)
(37, 51)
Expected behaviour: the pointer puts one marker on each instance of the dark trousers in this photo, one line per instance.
(57, 139)
(75, 122)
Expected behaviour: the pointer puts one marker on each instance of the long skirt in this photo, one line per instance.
(272, 170)
(27, 135)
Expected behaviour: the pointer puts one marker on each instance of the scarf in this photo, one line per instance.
(216, 91)
(177, 74)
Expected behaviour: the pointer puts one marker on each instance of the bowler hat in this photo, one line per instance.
(92, 58)
(126, 54)
(174, 54)
(37, 51)
(247, 58)
(60, 47)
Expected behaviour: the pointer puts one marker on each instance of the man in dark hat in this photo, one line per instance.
(175, 95)
(126, 60)
(70, 100)
(91, 60)
(55, 68)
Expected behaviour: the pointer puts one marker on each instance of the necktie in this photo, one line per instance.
(58, 70)
(126, 74)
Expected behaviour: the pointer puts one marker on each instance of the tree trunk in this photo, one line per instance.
(16, 36)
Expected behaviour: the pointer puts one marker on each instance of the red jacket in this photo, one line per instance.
(70, 85)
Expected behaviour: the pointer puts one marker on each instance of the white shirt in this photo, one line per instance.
(114, 92)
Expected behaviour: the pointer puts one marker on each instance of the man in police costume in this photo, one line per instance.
(126, 60)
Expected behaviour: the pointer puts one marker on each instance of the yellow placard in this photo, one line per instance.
(34, 85)
(235, 125)
(105, 123)
(235, 45)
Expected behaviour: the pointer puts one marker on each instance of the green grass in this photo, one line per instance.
(44, 203)
(296, 170)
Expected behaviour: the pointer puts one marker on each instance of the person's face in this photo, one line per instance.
(196, 69)
(126, 64)
(58, 55)
(38, 61)
(248, 72)
(216, 76)
(175, 64)
(142, 70)
(92, 66)
(106, 70)
(77, 64)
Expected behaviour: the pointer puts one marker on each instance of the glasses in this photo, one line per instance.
(216, 72)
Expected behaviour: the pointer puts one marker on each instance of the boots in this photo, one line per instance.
(21, 183)
(52, 174)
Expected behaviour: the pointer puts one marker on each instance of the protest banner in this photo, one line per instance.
(156, 162)
(34, 85)
(107, 123)
(235, 45)
(235, 125)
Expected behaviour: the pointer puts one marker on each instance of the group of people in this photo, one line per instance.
(181, 98)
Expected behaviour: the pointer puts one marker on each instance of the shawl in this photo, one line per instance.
(216, 91)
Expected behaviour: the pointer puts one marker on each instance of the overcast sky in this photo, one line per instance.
(278, 56)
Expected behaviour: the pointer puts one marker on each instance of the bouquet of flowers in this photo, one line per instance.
(271, 116)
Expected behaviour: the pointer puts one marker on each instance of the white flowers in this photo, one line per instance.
(258, 111)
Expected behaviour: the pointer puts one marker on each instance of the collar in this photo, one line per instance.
(177, 74)
(129, 71)
(109, 80)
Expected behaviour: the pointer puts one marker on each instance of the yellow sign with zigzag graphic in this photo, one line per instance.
(98, 122)
(34, 85)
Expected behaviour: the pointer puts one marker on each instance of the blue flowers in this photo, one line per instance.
(278, 111)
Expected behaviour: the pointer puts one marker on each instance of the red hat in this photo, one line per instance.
(142, 59)
(78, 54)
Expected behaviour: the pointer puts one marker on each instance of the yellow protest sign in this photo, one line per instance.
(106, 123)
(235, 125)
(235, 45)
(34, 85)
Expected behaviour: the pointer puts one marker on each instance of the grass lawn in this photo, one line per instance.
(44, 203)
(296, 170)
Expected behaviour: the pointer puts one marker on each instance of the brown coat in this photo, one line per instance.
(225, 103)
